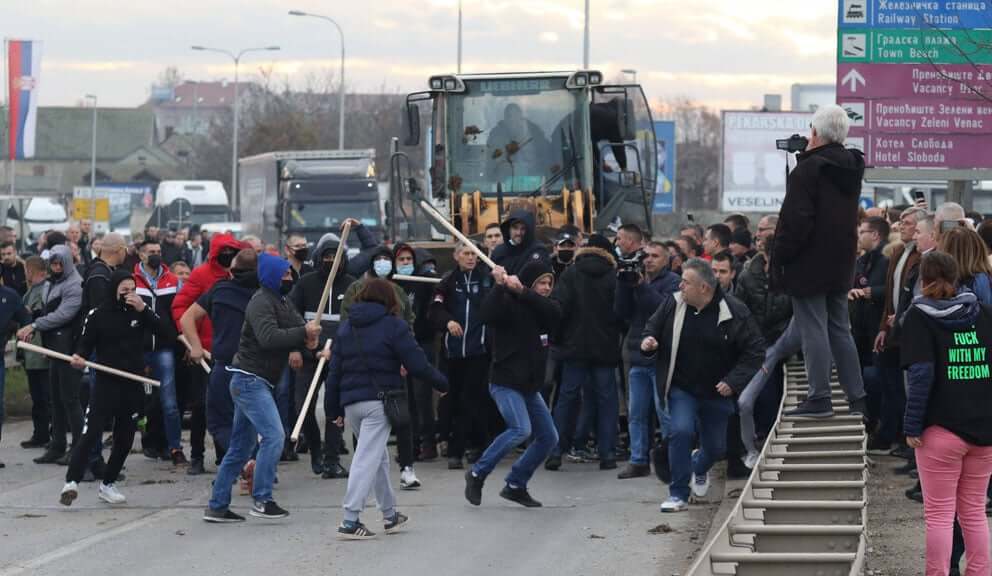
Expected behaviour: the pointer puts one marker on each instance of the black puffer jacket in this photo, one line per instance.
(590, 329)
(771, 309)
(514, 257)
(817, 234)
(520, 324)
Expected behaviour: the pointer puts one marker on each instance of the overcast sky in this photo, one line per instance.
(724, 53)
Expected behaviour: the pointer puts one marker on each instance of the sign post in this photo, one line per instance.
(916, 81)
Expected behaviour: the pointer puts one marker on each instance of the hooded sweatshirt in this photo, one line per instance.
(200, 281)
(514, 256)
(817, 235)
(63, 298)
(272, 329)
(586, 292)
(117, 332)
(307, 292)
(418, 294)
(945, 349)
(225, 303)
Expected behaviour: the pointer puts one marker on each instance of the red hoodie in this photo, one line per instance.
(200, 282)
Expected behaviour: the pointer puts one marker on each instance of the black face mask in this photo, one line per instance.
(285, 287)
(225, 258)
(302, 254)
(565, 255)
(246, 278)
(154, 262)
(325, 267)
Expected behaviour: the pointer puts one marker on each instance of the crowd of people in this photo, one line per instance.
(614, 349)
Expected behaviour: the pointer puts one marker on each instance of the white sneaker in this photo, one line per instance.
(408, 480)
(700, 485)
(69, 493)
(110, 494)
(751, 459)
(674, 504)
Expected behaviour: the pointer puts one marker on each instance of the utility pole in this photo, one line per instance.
(585, 42)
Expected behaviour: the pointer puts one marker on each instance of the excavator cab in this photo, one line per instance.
(561, 145)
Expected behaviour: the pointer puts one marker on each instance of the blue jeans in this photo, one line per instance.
(255, 413)
(575, 375)
(525, 415)
(220, 407)
(163, 365)
(642, 397)
(712, 414)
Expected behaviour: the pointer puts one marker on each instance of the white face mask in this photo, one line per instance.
(405, 269)
(382, 268)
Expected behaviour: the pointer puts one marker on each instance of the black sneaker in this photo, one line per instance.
(152, 454)
(317, 462)
(64, 459)
(178, 458)
(736, 470)
(333, 470)
(607, 464)
(915, 493)
(33, 443)
(196, 467)
(51, 456)
(878, 447)
(905, 468)
(268, 510)
(902, 451)
(354, 531)
(395, 524)
(820, 408)
(520, 496)
(472, 456)
(2, 465)
(552, 463)
(473, 488)
(859, 407)
(224, 516)
(659, 457)
(455, 464)
(288, 454)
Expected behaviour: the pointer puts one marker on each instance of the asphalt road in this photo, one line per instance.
(591, 524)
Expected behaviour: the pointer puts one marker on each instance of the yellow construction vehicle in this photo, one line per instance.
(562, 145)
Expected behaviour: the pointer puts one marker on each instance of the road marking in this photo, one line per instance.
(27, 566)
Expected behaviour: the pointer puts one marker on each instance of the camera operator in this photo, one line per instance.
(635, 302)
(629, 240)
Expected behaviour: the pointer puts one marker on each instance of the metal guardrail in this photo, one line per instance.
(803, 511)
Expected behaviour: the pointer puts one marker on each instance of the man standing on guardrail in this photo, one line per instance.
(708, 347)
(813, 258)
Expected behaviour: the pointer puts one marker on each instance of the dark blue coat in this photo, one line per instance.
(225, 304)
(459, 297)
(635, 304)
(366, 356)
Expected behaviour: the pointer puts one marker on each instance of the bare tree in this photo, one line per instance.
(697, 135)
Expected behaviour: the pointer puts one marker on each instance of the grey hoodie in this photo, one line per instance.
(67, 291)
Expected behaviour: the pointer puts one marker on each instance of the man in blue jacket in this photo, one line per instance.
(635, 303)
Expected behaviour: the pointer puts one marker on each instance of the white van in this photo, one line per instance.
(43, 213)
(186, 202)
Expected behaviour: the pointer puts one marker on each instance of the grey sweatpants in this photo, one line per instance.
(787, 344)
(370, 466)
(825, 329)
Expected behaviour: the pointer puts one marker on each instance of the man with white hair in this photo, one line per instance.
(815, 249)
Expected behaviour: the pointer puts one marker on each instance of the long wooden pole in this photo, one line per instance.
(310, 393)
(66, 358)
(203, 361)
(440, 219)
(422, 279)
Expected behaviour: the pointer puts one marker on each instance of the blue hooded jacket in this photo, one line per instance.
(369, 349)
(271, 270)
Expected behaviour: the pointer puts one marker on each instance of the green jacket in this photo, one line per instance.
(35, 302)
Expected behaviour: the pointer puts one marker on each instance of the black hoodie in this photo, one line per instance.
(816, 239)
(586, 291)
(117, 331)
(514, 257)
(418, 294)
(308, 290)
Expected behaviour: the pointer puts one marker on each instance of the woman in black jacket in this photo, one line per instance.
(116, 331)
(521, 316)
(370, 350)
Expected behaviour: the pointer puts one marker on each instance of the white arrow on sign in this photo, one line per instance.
(852, 78)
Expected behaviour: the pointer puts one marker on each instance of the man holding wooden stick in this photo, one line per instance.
(306, 296)
(115, 331)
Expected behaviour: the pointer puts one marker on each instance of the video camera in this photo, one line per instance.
(631, 268)
(792, 144)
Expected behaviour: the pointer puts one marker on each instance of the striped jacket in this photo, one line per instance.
(158, 296)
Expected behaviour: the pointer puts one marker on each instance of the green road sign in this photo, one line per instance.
(903, 46)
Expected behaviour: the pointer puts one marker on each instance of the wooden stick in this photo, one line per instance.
(424, 279)
(326, 295)
(440, 219)
(313, 389)
(203, 362)
(66, 358)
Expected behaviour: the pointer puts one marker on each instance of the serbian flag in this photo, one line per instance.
(23, 71)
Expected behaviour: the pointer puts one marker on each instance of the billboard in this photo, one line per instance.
(664, 196)
(753, 170)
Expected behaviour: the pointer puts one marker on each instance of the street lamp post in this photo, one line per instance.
(585, 40)
(93, 160)
(459, 36)
(341, 74)
(234, 152)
